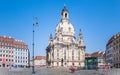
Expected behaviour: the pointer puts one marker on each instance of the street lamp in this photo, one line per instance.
(34, 24)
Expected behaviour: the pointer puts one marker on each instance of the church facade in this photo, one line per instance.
(64, 49)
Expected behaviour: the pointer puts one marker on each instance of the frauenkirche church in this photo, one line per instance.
(64, 49)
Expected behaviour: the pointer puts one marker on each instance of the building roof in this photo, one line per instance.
(110, 40)
(87, 55)
(95, 54)
(113, 38)
(11, 42)
(40, 57)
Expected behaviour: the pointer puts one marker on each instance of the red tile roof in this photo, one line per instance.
(110, 40)
(40, 57)
(87, 55)
(95, 54)
(11, 42)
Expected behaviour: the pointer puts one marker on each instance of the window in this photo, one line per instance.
(6, 55)
(72, 54)
(57, 39)
(71, 40)
(65, 15)
(78, 54)
(73, 46)
(57, 53)
(69, 29)
(0, 59)
(65, 54)
(61, 29)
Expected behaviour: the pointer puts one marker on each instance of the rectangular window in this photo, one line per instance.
(3, 55)
(6, 55)
(0, 59)
(9, 55)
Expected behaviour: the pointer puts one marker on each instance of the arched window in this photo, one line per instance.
(78, 54)
(65, 54)
(65, 15)
(57, 53)
(72, 54)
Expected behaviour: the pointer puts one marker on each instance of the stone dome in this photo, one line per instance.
(65, 28)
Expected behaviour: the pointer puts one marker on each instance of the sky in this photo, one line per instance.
(98, 19)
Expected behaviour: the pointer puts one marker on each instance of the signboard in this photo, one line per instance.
(3, 60)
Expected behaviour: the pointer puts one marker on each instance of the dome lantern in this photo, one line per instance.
(64, 14)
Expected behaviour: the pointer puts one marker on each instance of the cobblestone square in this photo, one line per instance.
(57, 71)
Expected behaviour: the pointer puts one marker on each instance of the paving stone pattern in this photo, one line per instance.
(57, 71)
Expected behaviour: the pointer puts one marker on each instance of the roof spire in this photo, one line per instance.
(80, 39)
(80, 32)
(51, 36)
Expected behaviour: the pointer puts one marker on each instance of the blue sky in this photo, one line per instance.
(98, 19)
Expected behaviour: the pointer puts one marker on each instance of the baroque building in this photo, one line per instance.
(64, 49)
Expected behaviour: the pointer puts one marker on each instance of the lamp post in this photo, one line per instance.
(35, 24)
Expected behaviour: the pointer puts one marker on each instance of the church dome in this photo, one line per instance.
(65, 27)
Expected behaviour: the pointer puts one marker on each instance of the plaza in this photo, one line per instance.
(57, 71)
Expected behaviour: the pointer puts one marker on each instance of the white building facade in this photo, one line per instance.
(6, 51)
(21, 58)
(64, 49)
(113, 51)
(13, 52)
(39, 61)
(109, 52)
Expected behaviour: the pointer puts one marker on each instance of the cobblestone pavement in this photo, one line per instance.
(57, 71)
